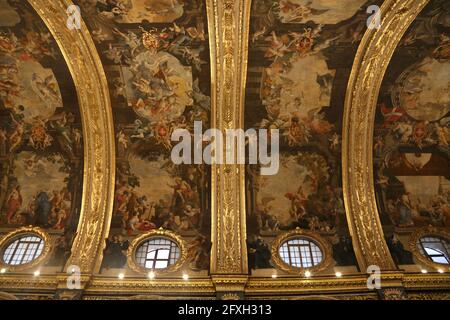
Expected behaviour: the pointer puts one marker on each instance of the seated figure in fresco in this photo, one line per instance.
(258, 254)
(404, 208)
(62, 250)
(13, 203)
(343, 252)
(43, 209)
(399, 254)
(114, 254)
(198, 253)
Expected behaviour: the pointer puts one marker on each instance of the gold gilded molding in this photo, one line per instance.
(91, 85)
(21, 232)
(371, 61)
(160, 233)
(324, 245)
(228, 22)
(429, 231)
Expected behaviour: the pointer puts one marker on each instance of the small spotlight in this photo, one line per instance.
(424, 271)
(274, 276)
(121, 276)
(338, 274)
(151, 275)
(3, 270)
(307, 274)
(185, 276)
(440, 271)
(37, 273)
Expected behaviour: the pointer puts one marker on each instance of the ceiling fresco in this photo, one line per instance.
(412, 133)
(41, 147)
(156, 58)
(300, 57)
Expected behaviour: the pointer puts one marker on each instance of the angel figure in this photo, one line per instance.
(114, 54)
(119, 88)
(334, 141)
(47, 87)
(16, 137)
(122, 139)
(131, 40)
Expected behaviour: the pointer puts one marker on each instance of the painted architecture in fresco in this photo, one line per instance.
(156, 57)
(301, 55)
(412, 132)
(41, 148)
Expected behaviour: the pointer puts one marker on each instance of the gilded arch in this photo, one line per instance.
(371, 61)
(99, 164)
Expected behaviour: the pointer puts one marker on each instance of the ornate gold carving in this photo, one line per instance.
(423, 232)
(25, 231)
(228, 22)
(7, 296)
(371, 61)
(111, 286)
(324, 245)
(429, 296)
(230, 283)
(160, 233)
(99, 161)
(27, 282)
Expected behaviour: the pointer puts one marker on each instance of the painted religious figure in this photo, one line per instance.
(41, 153)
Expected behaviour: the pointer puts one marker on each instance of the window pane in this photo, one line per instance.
(157, 253)
(23, 250)
(300, 252)
(435, 249)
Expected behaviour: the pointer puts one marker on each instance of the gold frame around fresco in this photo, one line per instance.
(160, 233)
(24, 231)
(324, 245)
(429, 231)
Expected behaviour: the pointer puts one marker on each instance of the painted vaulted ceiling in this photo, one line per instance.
(96, 176)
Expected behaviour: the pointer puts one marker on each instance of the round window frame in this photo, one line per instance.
(23, 232)
(156, 234)
(298, 233)
(429, 231)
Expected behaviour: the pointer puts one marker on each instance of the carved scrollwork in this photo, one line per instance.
(91, 85)
(371, 61)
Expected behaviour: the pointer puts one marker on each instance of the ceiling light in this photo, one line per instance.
(307, 274)
(121, 276)
(2, 270)
(37, 273)
(151, 275)
(185, 276)
(424, 271)
(338, 274)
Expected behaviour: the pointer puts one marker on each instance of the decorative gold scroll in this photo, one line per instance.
(228, 22)
(90, 81)
(371, 61)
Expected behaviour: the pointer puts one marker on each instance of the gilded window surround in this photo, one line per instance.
(26, 231)
(371, 61)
